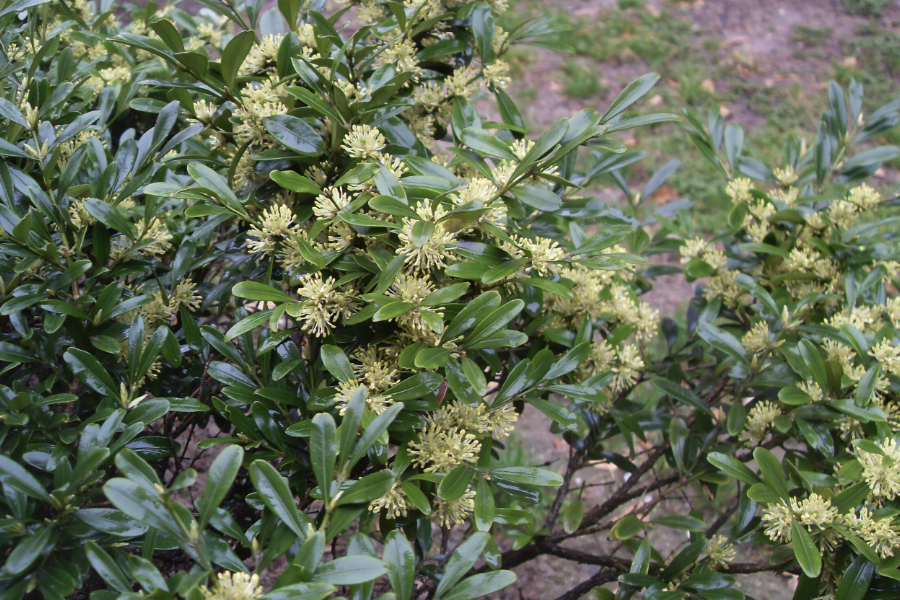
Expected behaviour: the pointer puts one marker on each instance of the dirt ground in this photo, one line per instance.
(546, 577)
(759, 36)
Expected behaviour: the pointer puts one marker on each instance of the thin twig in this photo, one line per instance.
(586, 586)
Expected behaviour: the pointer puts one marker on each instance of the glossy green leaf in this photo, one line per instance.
(680, 522)
(400, 560)
(494, 321)
(91, 372)
(478, 586)
(456, 482)
(856, 579)
(276, 495)
(323, 449)
(13, 475)
(219, 478)
(627, 527)
(631, 94)
(732, 467)
(459, 563)
(107, 568)
(351, 570)
(295, 182)
(248, 324)
(259, 292)
(485, 507)
(371, 434)
(572, 516)
(529, 476)
(234, 54)
(28, 550)
(771, 472)
(805, 550)
(538, 197)
(485, 142)
(368, 488)
(295, 134)
(337, 363)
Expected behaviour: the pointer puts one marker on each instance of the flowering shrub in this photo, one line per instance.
(318, 245)
(308, 249)
(799, 317)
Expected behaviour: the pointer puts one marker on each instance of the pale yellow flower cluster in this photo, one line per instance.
(262, 55)
(777, 519)
(721, 282)
(364, 142)
(322, 305)
(809, 273)
(761, 417)
(499, 422)
(496, 75)
(402, 56)
(625, 310)
(481, 192)
(786, 175)
(275, 225)
(542, 252)
(881, 471)
(432, 252)
(376, 368)
(68, 148)
(156, 232)
(880, 534)
(739, 190)
(258, 102)
(393, 503)
(815, 513)
(818, 515)
(812, 389)
(600, 360)
(79, 215)
(204, 112)
(888, 355)
(375, 402)
(720, 551)
(109, 76)
(863, 318)
(587, 294)
(756, 221)
(463, 82)
(758, 339)
(447, 513)
(693, 248)
(440, 449)
(628, 367)
(233, 586)
(419, 322)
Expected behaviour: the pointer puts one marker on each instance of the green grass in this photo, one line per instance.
(693, 85)
(811, 36)
(624, 32)
(581, 81)
(712, 44)
(866, 8)
(520, 59)
(693, 77)
(526, 95)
